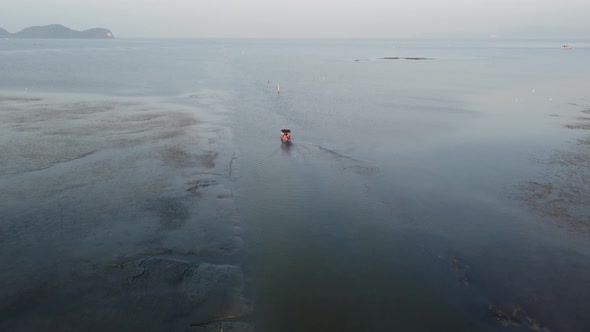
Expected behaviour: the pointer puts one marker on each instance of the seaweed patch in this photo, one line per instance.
(563, 194)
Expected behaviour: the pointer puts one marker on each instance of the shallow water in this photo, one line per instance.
(394, 208)
(397, 170)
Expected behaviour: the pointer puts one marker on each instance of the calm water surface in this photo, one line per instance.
(393, 208)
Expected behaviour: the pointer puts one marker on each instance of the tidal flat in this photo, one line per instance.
(563, 193)
(116, 215)
(165, 201)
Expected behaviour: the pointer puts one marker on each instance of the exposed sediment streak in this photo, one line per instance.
(231, 162)
(62, 161)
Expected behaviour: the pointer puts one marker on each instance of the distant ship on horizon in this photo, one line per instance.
(566, 47)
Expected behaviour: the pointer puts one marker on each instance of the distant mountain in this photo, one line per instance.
(56, 31)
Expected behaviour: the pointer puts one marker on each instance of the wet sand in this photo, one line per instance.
(117, 215)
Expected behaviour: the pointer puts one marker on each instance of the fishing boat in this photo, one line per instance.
(566, 47)
(285, 135)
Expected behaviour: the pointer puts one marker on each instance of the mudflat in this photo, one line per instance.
(116, 216)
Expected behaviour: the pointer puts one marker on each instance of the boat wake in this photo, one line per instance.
(343, 161)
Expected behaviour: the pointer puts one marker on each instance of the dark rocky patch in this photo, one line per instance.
(582, 126)
(171, 212)
(564, 193)
(208, 159)
(404, 58)
(514, 316)
(461, 269)
(396, 58)
(177, 157)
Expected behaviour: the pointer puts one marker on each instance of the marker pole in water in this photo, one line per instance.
(278, 89)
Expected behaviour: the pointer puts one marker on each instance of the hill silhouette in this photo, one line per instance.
(57, 31)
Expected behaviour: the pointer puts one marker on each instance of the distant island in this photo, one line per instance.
(404, 58)
(57, 31)
(397, 58)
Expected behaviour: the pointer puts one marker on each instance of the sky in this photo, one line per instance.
(307, 18)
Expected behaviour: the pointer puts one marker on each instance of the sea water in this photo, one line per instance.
(400, 203)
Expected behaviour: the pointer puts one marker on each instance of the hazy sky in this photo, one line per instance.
(306, 18)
